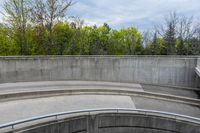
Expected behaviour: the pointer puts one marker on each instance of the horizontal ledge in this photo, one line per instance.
(54, 93)
(96, 56)
(108, 110)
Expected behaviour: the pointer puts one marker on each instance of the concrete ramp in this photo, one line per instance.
(22, 109)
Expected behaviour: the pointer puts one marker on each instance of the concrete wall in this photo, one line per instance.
(173, 70)
(198, 66)
(116, 123)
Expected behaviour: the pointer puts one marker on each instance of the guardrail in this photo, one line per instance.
(105, 110)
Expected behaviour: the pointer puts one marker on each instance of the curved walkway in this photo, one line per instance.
(59, 96)
(193, 124)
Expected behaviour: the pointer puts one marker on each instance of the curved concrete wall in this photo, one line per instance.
(115, 123)
(198, 66)
(171, 70)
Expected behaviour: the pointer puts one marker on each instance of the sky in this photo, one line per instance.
(143, 14)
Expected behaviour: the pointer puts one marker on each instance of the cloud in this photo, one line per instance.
(123, 13)
(141, 13)
(1, 10)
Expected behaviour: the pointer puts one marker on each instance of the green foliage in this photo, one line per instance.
(63, 34)
(91, 40)
(17, 20)
(7, 44)
(44, 34)
(126, 42)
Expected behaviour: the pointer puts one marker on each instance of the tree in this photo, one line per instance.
(7, 44)
(103, 41)
(132, 41)
(18, 18)
(63, 35)
(184, 33)
(126, 42)
(47, 13)
(77, 45)
(170, 33)
(155, 50)
(194, 41)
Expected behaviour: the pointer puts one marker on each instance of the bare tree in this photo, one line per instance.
(76, 22)
(184, 34)
(194, 48)
(184, 28)
(170, 33)
(47, 13)
(17, 18)
(147, 37)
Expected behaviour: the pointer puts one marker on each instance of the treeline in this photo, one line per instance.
(40, 27)
(177, 35)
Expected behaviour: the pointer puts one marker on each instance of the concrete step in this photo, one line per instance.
(172, 90)
(96, 91)
(53, 85)
(26, 108)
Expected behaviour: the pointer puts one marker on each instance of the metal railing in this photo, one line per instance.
(105, 110)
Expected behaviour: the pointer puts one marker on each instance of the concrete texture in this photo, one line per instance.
(117, 123)
(165, 70)
(166, 106)
(12, 110)
(30, 90)
(198, 73)
(22, 109)
(185, 92)
(124, 95)
(198, 67)
(198, 62)
(66, 85)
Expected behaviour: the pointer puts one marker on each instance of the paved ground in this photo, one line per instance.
(16, 110)
(67, 85)
(192, 93)
(166, 106)
(22, 109)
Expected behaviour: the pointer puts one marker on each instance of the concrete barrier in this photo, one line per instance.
(198, 72)
(32, 90)
(115, 123)
(163, 70)
(198, 67)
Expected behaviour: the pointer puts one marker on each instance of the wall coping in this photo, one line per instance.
(98, 56)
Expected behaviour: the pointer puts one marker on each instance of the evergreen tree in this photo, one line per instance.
(170, 39)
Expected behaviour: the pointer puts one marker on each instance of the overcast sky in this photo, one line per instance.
(123, 13)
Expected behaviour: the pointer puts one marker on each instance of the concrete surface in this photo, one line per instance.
(66, 85)
(198, 67)
(166, 70)
(22, 109)
(185, 92)
(28, 90)
(117, 123)
(166, 106)
(14, 110)
(36, 106)
(198, 72)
